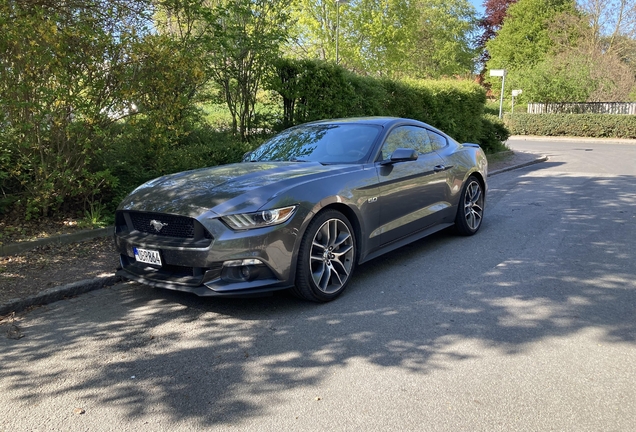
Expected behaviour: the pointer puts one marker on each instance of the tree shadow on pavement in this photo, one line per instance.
(554, 258)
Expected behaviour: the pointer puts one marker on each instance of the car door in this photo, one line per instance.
(411, 193)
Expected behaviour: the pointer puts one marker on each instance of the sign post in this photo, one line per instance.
(502, 74)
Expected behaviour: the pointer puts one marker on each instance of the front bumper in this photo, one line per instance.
(215, 289)
(206, 264)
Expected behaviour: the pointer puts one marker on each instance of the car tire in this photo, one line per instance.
(470, 209)
(326, 258)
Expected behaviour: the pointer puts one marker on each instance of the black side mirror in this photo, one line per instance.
(246, 157)
(402, 155)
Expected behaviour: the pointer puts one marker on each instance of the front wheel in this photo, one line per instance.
(470, 211)
(326, 259)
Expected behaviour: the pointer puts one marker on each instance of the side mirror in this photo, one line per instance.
(402, 155)
(246, 157)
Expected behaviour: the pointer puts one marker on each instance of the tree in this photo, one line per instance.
(524, 39)
(244, 42)
(441, 45)
(611, 18)
(578, 67)
(494, 14)
(613, 27)
(61, 72)
(393, 38)
(237, 40)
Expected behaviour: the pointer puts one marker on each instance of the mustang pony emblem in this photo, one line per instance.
(157, 225)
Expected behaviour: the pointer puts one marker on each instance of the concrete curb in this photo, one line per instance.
(16, 248)
(57, 293)
(572, 139)
(522, 165)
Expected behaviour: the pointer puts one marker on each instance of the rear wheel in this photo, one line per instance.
(470, 211)
(326, 259)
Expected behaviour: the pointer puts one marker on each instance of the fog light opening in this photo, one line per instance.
(246, 272)
(241, 270)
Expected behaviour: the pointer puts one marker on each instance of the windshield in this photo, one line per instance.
(324, 143)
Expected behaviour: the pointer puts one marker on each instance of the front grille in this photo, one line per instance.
(170, 226)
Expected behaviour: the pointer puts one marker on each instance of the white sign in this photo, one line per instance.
(517, 92)
(498, 72)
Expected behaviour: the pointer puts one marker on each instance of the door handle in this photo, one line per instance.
(439, 168)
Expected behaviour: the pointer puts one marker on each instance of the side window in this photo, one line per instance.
(438, 141)
(395, 140)
(407, 137)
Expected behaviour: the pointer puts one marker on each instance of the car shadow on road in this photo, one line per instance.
(553, 259)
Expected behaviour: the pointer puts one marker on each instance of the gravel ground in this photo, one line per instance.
(28, 273)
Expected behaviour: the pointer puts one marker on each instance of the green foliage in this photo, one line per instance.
(522, 46)
(524, 38)
(492, 107)
(133, 159)
(441, 45)
(98, 97)
(556, 54)
(576, 67)
(217, 115)
(314, 90)
(388, 38)
(563, 78)
(95, 216)
(78, 82)
(454, 106)
(236, 41)
(583, 125)
(60, 71)
(493, 134)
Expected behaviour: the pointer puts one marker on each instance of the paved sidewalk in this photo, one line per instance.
(506, 161)
(571, 139)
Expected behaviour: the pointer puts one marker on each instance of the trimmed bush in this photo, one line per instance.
(454, 106)
(134, 158)
(493, 134)
(582, 125)
(314, 90)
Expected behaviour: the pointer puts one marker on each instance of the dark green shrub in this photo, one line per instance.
(135, 158)
(493, 134)
(454, 106)
(582, 125)
(409, 101)
(313, 90)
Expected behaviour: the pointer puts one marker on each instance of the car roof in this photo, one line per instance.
(377, 121)
(380, 121)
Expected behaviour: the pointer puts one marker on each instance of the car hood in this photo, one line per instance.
(225, 189)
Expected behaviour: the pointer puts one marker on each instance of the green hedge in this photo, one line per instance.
(314, 90)
(456, 107)
(134, 157)
(582, 125)
(493, 133)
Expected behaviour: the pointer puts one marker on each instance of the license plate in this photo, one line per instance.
(147, 256)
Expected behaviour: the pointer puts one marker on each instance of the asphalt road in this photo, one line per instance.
(529, 325)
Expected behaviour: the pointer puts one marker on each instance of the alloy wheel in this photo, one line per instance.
(473, 205)
(331, 257)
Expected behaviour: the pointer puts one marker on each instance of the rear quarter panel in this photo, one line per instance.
(465, 160)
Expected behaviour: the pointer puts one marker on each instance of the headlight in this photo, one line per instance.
(259, 219)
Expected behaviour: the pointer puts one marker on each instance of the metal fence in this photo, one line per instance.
(582, 108)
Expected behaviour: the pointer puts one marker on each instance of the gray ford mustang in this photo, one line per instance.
(302, 210)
